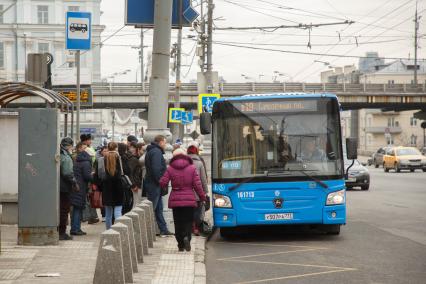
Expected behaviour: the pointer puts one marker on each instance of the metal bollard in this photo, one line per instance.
(149, 224)
(142, 220)
(137, 232)
(109, 263)
(129, 223)
(125, 249)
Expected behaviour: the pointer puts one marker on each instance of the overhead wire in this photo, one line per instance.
(355, 33)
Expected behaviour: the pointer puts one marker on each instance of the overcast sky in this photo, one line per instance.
(385, 26)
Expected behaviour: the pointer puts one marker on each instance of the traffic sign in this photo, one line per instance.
(187, 117)
(78, 30)
(141, 13)
(205, 102)
(175, 114)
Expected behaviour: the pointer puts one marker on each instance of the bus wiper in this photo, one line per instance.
(234, 187)
(320, 182)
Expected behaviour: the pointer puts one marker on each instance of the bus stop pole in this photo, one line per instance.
(77, 63)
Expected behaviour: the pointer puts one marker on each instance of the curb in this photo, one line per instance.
(200, 274)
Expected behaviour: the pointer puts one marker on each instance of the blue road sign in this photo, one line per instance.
(187, 117)
(78, 30)
(205, 102)
(141, 13)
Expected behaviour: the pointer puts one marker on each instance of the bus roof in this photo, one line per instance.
(278, 96)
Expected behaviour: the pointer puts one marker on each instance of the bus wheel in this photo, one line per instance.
(227, 233)
(332, 229)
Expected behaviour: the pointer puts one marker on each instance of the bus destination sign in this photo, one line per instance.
(277, 106)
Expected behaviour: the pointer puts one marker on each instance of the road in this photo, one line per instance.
(384, 241)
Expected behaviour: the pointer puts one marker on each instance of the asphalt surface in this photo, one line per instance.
(384, 241)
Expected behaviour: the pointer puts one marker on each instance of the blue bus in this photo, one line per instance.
(277, 159)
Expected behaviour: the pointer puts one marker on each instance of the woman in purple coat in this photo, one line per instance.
(185, 182)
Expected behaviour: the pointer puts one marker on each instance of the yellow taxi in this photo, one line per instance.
(401, 158)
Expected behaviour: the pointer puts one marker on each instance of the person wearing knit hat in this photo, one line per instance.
(179, 151)
(199, 164)
(130, 139)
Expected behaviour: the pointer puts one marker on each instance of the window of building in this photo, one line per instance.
(369, 121)
(413, 140)
(413, 121)
(1, 14)
(369, 139)
(391, 82)
(73, 8)
(389, 140)
(391, 121)
(1, 55)
(42, 14)
(43, 47)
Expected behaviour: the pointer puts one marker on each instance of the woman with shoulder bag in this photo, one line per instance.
(185, 182)
(112, 188)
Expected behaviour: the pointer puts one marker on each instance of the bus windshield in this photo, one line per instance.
(277, 138)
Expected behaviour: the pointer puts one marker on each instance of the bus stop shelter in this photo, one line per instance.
(29, 160)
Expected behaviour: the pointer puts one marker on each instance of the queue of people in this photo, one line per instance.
(125, 173)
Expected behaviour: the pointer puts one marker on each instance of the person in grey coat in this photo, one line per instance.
(199, 211)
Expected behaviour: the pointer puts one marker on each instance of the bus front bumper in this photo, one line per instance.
(227, 217)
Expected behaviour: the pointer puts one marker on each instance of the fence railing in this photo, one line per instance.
(250, 88)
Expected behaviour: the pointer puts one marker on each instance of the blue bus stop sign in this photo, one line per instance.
(205, 102)
(78, 30)
(141, 13)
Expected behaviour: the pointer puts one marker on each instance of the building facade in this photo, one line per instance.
(374, 127)
(38, 26)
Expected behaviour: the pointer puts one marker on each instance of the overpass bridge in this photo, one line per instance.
(396, 97)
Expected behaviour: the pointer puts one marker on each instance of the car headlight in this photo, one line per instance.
(424, 161)
(337, 197)
(403, 161)
(222, 201)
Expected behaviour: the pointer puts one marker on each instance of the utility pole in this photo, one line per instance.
(159, 81)
(177, 127)
(416, 28)
(141, 59)
(209, 46)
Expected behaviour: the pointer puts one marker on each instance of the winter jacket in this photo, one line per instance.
(135, 169)
(83, 175)
(112, 190)
(67, 179)
(199, 165)
(184, 177)
(155, 164)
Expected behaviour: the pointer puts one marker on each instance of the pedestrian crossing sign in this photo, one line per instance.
(205, 102)
(175, 114)
(187, 117)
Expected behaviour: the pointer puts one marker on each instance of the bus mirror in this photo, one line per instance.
(351, 148)
(205, 123)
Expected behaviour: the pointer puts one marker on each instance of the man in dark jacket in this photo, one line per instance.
(155, 168)
(67, 184)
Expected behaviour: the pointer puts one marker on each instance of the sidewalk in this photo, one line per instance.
(74, 261)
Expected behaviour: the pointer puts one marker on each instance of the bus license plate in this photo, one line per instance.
(279, 216)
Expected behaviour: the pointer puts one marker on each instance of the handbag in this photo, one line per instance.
(125, 180)
(207, 203)
(95, 197)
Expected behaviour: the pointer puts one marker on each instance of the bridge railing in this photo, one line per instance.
(250, 88)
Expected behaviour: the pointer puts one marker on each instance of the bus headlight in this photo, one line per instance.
(222, 201)
(337, 197)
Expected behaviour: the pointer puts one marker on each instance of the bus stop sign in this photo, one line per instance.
(78, 30)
